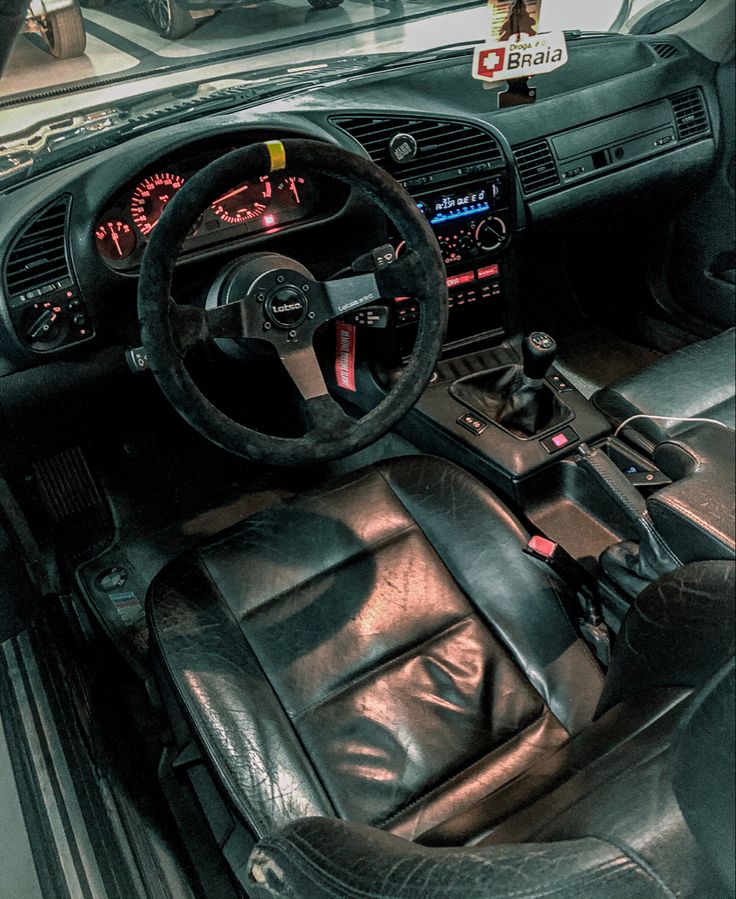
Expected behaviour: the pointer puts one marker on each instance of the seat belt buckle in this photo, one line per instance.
(560, 560)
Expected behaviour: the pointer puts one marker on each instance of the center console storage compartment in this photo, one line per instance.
(567, 505)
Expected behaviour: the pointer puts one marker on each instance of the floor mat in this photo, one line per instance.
(592, 358)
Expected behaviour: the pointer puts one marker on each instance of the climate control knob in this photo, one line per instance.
(491, 233)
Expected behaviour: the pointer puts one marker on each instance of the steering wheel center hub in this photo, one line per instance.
(287, 306)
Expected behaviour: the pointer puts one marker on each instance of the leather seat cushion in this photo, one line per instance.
(381, 651)
(696, 381)
(612, 828)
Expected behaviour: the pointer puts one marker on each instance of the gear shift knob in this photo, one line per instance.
(539, 351)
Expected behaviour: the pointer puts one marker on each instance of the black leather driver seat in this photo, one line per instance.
(384, 652)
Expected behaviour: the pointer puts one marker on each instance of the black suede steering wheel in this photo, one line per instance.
(285, 307)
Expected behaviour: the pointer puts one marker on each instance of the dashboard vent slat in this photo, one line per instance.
(666, 50)
(537, 168)
(442, 145)
(691, 115)
(39, 254)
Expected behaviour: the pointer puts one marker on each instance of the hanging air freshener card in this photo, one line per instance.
(515, 50)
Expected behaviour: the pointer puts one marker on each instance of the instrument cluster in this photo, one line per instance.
(264, 206)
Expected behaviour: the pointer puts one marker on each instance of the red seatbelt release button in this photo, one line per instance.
(542, 547)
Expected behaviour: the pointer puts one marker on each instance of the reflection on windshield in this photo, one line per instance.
(74, 46)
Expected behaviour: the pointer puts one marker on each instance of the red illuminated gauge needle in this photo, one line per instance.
(238, 190)
(294, 190)
(116, 241)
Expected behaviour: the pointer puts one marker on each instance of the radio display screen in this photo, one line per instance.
(461, 202)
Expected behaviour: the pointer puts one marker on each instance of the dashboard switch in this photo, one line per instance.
(558, 442)
(472, 423)
(371, 317)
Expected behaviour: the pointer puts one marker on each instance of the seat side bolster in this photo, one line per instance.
(229, 702)
(320, 858)
(678, 633)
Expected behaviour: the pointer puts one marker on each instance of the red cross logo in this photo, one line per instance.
(491, 61)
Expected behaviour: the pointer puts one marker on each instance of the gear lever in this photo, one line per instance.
(525, 406)
(539, 351)
(516, 396)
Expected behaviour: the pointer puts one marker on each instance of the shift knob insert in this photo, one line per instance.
(539, 351)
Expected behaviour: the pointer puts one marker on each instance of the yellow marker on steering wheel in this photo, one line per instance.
(277, 152)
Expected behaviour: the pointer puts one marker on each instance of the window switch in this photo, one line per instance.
(472, 423)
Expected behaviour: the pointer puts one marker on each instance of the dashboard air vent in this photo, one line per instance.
(665, 50)
(38, 256)
(440, 145)
(537, 168)
(690, 114)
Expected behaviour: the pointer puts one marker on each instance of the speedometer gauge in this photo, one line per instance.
(150, 198)
(244, 203)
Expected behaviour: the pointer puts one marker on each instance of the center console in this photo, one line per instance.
(472, 220)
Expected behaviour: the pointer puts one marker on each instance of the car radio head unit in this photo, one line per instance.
(470, 220)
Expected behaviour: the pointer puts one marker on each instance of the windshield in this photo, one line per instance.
(111, 49)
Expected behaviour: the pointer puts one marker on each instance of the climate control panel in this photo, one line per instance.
(470, 220)
(472, 238)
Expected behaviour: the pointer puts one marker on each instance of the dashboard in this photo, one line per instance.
(623, 121)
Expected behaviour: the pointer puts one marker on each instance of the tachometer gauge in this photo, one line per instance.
(244, 203)
(115, 239)
(150, 198)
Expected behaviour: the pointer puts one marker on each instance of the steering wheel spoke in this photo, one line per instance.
(305, 372)
(405, 277)
(323, 411)
(326, 415)
(192, 325)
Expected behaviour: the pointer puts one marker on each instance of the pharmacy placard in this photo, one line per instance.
(537, 55)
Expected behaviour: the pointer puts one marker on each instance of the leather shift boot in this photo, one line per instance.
(525, 408)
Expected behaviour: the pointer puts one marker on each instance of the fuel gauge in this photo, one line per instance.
(115, 239)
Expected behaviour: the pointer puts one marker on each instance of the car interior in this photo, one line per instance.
(367, 490)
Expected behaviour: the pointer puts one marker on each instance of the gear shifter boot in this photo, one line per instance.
(516, 397)
(525, 408)
(528, 407)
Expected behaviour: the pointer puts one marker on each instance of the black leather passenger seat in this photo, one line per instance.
(696, 381)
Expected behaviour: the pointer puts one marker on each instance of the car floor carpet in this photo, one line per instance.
(592, 358)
